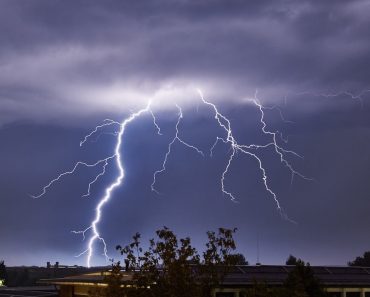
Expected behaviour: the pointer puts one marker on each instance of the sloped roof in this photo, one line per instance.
(244, 275)
(275, 275)
(89, 278)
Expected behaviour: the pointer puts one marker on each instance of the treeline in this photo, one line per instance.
(20, 278)
(16, 277)
(30, 276)
(173, 267)
(300, 282)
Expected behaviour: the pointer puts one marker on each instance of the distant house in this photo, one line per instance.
(28, 276)
(337, 281)
(81, 285)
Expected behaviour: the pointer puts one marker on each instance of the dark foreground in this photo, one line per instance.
(30, 291)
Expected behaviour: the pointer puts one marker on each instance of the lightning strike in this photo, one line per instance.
(278, 149)
(93, 228)
(169, 148)
(359, 96)
(109, 190)
(96, 179)
(155, 123)
(235, 147)
(228, 139)
(106, 122)
(72, 171)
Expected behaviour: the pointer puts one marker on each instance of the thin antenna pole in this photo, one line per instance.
(258, 248)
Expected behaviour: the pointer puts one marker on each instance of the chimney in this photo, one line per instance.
(56, 265)
(48, 265)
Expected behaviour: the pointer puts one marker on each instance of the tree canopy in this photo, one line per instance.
(301, 282)
(291, 260)
(3, 274)
(172, 267)
(239, 259)
(363, 261)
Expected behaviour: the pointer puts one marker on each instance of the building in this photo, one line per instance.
(337, 281)
(81, 285)
(29, 275)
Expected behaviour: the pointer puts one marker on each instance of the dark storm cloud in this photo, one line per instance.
(64, 65)
(89, 53)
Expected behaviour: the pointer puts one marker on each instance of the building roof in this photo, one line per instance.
(244, 275)
(86, 279)
(329, 276)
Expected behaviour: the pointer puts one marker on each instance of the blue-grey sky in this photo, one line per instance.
(65, 66)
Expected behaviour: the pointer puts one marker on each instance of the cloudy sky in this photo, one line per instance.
(65, 66)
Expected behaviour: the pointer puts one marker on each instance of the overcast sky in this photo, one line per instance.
(65, 66)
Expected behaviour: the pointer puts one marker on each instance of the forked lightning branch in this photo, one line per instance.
(227, 138)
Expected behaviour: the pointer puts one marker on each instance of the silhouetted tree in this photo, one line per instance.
(363, 261)
(291, 260)
(217, 259)
(172, 267)
(301, 282)
(3, 273)
(238, 259)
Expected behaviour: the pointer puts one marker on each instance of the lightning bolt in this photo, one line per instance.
(278, 149)
(169, 149)
(359, 96)
(72, 171)
(228, 139)
(93, 228)
(248, 150)
(96, 178)
(115, 184)
(106, 122)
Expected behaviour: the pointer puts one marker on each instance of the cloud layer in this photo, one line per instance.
(77, 58)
